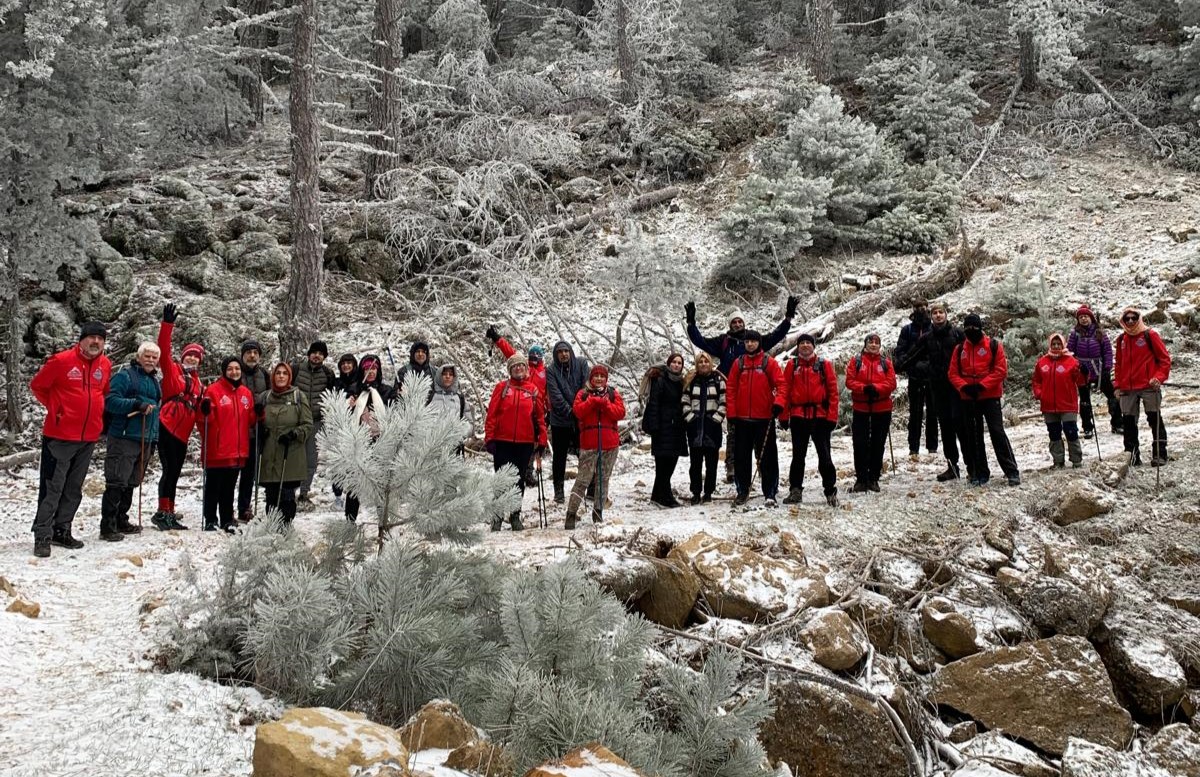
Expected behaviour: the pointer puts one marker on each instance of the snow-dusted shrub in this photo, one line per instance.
(692, 78)
(461, 25)
(930, 200)
(926, 113)
(677, 149)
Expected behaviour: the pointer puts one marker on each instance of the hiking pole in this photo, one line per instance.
(543, 522)
(204, 470)
(599, 472)
(891, 450)
(1154, 457)
(141, 468)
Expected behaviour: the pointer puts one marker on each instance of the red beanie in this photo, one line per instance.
(192, 349)
(1084, 310)
(598, 369)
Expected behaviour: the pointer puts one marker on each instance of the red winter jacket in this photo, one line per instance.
(810, 391)
(181, 392)
(516, 413)
(72, 390)
(972, 363)
(598, 415)
(537, 372)
(225, 434)
(755, 385)
(1138, 358)
(1056, 382)
(877, 371)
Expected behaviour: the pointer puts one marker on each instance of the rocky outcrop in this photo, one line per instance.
(1176, 748)
(1044, 692)
(438, 725)
(835, 642)
(257, 255)
(594, 757)
(821, 732)
(486, 759)
(323, 742)
(1144, 670)
(98, 289)
(1079, 501)
(626, 577)
(1070, 596)
(1088, 759)
(672, 593)
(992, 746)
(876, 616)
(949, 630)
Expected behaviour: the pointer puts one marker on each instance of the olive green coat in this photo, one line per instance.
(283, 413)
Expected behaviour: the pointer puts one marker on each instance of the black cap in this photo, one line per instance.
(752, 334)
(318, 346)
(805, 337)
(972, 321)
(251, 345)
(93, 329)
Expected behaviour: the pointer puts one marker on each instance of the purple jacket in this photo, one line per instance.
(1092, 348)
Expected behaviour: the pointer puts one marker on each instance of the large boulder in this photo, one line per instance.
(1144, 670)
(190, 225)
(899, 576)
(822, 732)
(672, 593)
(1044, 692)
(439, 724)
(948, 629)
(992, 746)
(876, 616)
(486, 759)
(52, 327)
(1176, 748)
(625, 576)
(835, 642)
(740, 583)
(1070, 595)
(100, 288)
(258, 255)
(592, 758)
(206, 273)
(1079, 501)
(1088, 759)
(323, 742)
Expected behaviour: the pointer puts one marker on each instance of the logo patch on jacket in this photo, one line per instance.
(981, 351)
(98, 374)
(74, 374)
(1140, 342)
(1060, 369)
(245, 402)
(225, 401)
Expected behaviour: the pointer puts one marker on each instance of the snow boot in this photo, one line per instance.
(770, 501)
(111, 536)
(695, 500)
(559, 496)
(41, 548)
(706, 499)
(831, 498)
(874, 486)
(795, 496)
(951, 473)
(173, 520)
(64, 540)
(126, 527)
(740, 499)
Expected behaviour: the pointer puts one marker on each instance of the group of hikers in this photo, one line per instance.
(258, 426)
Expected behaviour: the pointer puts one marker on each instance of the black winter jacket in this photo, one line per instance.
(942, 342)
(911, 356)
(663, 419)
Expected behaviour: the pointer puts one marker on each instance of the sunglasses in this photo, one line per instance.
(1130, 319)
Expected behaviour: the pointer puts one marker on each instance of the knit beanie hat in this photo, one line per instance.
(598, 369)
(1084, 310)
(516, 360)
(192, 349)
(93, 329)
(973, 321)
(367, 363)
(735, 315)
(251, 345)
(872, 336)
(805, 337)
(536, 354)
(419, 345)
(318, 346)
(752, 334)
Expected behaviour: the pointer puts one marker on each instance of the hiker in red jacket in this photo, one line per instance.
(598, 408)
(537, 376)
(1142, 366)
(977, 371)
(1057, 377)
(515, 428)
(871, 379)
(181, 392)
(229, 416)
(71, 386)
(755, 397)
(810, 412)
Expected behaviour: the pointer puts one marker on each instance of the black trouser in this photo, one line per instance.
(352, 506)
(947, 410)
(172, 452)
(517, 454)
(704, 461)
(220, 483)
(920, 399)
(1086, 414)
(664, 468)
(125, 463)
(562, 440)
(820, 431)
(869, 433)
(282, 497)
(756, 437)
(976, 413)
(1151, 401)
(245, 492)
(60, 488)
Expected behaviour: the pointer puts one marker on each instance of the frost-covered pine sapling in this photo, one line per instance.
(408, 474)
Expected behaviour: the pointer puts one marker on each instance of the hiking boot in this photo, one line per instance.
(1158, 461)
(65, 540)
(41, 548)
(1076, 464)
(497, 524)
(129, 528)
(770, 502)
(728, 476)
(706, 499)
(1118, 429)
(229, 528)
(1014, 480)
(111, 536)
(210, 527)
(571, 522)
(831, 499)
(1135, 458)
(173, 520)
(695, 500)
(514, 520)
(160, 521)
(914, 456)
(859, 487)
(740, 499)
(951, 473)
(874, 486)
(559, 496)
(1089, 434)
(795, 496)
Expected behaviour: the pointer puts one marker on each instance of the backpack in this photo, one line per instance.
(992, 342)
(462, 403)
(818, 368)
(883, 361)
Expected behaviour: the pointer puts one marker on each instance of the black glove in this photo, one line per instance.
(690, 310)
(776, 410)
(783, 425)
(287, 438)
(170, 313)
(792, 304)
(259, 407)
(491, 333)
(206, 406)
(973, 390)
(490, 447)
(871, 392)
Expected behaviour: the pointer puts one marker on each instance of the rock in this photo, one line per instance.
(241, 224)
(1144, 670)
(1190, 705)
(912, 645)
(962, 732)
(486, 759)
(1181, 233)
(591, 758)
(1176, 748)
(1062, 607)
(672, 594)
(876, 616)
(178, 188)
(191, 227)
(100, 287)
(53, 327)
(1182, 312)
(367, 259)
(439, 724)
(901, 576)
(1080, 501)
(1087, 759)
(7, 587)
(977, 769)
(995, 747)
(626, 577)
(1001, 535)
(1044, 692)
(22, 607)
(740, 583)
(834, 640)
(949, 630)
(206, 274)
(323, 742)
(132, 558)
(788, 546)
(258, 255)
(389, 768)
(581, 189)
(822, 732)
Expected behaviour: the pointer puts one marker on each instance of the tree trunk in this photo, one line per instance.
(12, 358)
(1029, 56)
(302, 306)
(253, 36)
(625, 64)
(821, 54)
(383, 106)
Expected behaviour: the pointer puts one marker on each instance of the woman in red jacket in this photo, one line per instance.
(515, 428)
(1141, 367)
(1057, 377)
(229, 416)
(598, 409)
(871, 379)
(181, 392)
(811, 413)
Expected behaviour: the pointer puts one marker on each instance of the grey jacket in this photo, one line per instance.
(563, 382)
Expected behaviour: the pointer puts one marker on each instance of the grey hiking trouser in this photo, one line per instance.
(125, 464)
(588, 473)
(60, 490)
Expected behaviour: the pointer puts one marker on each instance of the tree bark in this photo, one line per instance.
(253, 36)
(1029, 56)
(625, 63)
(383, 106)
(302, 306)
(12, 358)
(821, 54)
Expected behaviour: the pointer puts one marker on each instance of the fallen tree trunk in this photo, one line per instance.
(18, 459)
(636, 205)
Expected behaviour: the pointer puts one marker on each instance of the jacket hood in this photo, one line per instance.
(561, 345)
(437, 379)
(418, 345)
(347, 357)
(365, 361)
